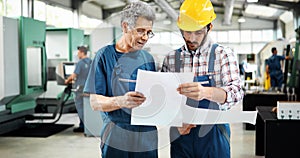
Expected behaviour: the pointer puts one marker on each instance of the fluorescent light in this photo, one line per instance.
(252, 1)
(241, 20)
(264, 11)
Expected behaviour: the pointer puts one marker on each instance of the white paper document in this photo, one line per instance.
(164, 106)
(163, 102)
(207, 116)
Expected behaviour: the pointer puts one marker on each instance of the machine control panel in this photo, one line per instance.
(288, 110)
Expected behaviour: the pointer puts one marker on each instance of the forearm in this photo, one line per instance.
(129, 100)
(70, 78)
(103, 103)
(215, 94)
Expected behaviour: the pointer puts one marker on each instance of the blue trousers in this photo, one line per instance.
(122, 140)
(111, 152)
(276, 79)
(79, 107)
(207, 142)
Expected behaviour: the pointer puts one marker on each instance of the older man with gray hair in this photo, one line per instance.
(112, 88)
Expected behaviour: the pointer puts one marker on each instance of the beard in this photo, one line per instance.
(194, 45)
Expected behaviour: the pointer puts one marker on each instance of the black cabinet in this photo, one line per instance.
(276, 138)
(252, 100)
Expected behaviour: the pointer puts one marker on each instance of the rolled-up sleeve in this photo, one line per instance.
(232, 83)
(96, 82)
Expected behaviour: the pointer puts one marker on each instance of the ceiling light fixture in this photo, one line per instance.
(241, 20)
(252, 1)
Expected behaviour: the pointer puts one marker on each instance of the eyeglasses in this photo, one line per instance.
(142, 32)
(197, 33)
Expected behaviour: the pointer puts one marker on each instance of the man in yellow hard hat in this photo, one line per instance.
(217, 84)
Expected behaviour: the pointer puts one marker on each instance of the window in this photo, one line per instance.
(213, 35)
(234, 36)
(86, 22)
(241, 41)
(59, 17)
(258, 46)
(13, 8)
(222, 36)
(1, 8)
(267, 35)
(257, 36)
(176, 38)
(165, 38)
(40, 10)
(245, 36)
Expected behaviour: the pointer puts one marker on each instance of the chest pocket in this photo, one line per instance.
(205, 80)
(133, 77)
(125, 74)
(119, 86)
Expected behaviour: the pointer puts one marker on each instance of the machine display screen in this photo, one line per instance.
(68, 69)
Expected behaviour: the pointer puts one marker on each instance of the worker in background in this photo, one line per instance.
(111, 84)
(274, 69)
(217, 84)
(79, 77)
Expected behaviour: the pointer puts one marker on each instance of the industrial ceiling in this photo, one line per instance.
(167, 10)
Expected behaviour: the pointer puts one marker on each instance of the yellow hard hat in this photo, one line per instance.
(195, 14)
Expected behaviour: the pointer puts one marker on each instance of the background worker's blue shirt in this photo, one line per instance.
(108, 67)
(274, 63)
(81, 71)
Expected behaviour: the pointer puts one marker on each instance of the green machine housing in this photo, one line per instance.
(61, 46)
(32, 74)
(62, 43)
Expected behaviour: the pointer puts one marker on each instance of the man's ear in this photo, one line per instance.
(124, 27)
(210, 27)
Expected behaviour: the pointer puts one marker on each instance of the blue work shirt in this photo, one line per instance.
(113, 73)
(110, 70)
(274, 63)
(81, 71)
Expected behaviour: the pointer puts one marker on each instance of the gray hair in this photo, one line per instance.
(137, 9)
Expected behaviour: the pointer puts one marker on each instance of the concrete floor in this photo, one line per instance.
(67, 144)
